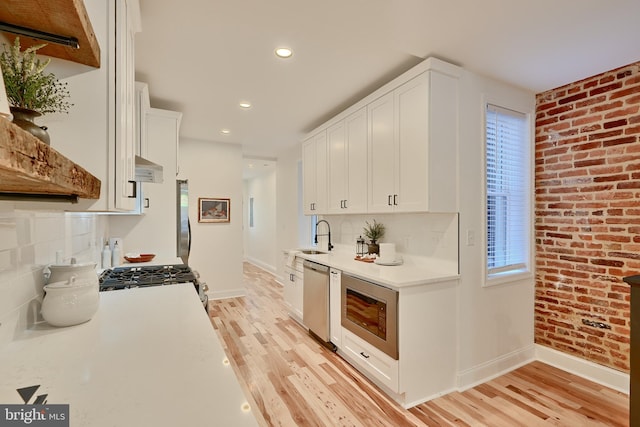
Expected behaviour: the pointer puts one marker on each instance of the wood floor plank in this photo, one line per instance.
(291, 380)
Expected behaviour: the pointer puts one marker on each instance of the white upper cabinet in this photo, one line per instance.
(396, 150)
(413, 147)
(337, 168)
(99, 131)
(381, 154)
(127, 24)
(347, 167)
(314, 166)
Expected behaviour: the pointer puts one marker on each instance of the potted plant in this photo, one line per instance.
(374, 232)
(31, 92)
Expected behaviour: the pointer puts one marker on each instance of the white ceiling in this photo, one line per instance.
(202, 57)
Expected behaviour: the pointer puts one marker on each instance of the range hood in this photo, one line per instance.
(147, 171)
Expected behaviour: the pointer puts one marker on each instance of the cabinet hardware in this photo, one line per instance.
(345, 204)
(146, 203)
(135, 189)
(389, 200)
(395, 201)
(366, 356)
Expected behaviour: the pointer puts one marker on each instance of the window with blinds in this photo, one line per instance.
(507, 191)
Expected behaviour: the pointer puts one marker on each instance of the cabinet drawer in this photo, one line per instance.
(372, 362)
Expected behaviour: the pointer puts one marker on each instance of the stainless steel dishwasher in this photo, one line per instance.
(315, 303)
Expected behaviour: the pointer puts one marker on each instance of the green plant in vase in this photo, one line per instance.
(31, 92)
(374, 232)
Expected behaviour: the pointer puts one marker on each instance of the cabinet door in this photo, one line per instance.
(126, 27)
(337, 168)
(412, 134)
(335, 296)
(309, 185)
(298, 291)
(321, 174)
(381, 154)
(314, 174)
(161, 198)
(356, 162)
(288, 291)
(99, 131)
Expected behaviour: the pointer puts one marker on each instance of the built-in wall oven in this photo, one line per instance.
(370, 311)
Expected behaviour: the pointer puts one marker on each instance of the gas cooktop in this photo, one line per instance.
(153, 275)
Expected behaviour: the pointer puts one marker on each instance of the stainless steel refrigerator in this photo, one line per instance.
(183, 226)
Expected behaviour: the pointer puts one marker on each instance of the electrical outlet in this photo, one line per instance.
(407, 242)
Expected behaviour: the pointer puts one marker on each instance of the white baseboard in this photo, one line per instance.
(600, 374)
(263, 265)
(592, 371)
(472, 377)
(234, 293)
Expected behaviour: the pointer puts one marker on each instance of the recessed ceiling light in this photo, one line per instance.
(245, 104)
(284, 52)
(225, 131)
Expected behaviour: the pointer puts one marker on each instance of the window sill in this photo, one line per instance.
(507, 278)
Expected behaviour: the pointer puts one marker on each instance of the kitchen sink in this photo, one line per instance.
(312, 252)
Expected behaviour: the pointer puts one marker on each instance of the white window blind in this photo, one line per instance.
(507, 190)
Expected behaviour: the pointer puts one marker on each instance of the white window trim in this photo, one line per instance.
(526, 272)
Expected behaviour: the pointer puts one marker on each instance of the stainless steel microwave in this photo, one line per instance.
(370, 311)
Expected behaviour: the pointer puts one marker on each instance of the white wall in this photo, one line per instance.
(496, 323)
(260, 240)
(293, 228)
(215, 170)
(29, 240)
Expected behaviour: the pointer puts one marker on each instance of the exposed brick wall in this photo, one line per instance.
(587, 213)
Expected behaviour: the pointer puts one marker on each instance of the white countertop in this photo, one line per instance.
(149, 357)
(412, 272)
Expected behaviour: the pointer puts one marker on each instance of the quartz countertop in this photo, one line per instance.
(413, 271)
(148, 357)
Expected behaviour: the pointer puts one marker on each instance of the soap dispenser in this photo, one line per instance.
(115, 255)
(106, 256)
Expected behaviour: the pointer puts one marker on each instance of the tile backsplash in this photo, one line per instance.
(433, 235)
(29, 241)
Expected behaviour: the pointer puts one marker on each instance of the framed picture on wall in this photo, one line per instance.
(214, 210)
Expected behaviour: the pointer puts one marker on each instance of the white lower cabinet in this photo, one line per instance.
(427, 345)
(335, 295)
(293, 287)
(375, 363)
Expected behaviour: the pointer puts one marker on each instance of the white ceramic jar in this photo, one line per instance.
(83, 272)
(71, 302)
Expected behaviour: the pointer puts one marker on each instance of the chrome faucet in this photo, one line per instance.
(329, 246)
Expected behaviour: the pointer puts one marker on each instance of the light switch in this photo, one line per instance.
(471, 238)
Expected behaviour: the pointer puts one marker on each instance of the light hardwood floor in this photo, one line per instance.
(291, 380)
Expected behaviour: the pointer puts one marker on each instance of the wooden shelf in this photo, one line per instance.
(61, 17)
(29, 166)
